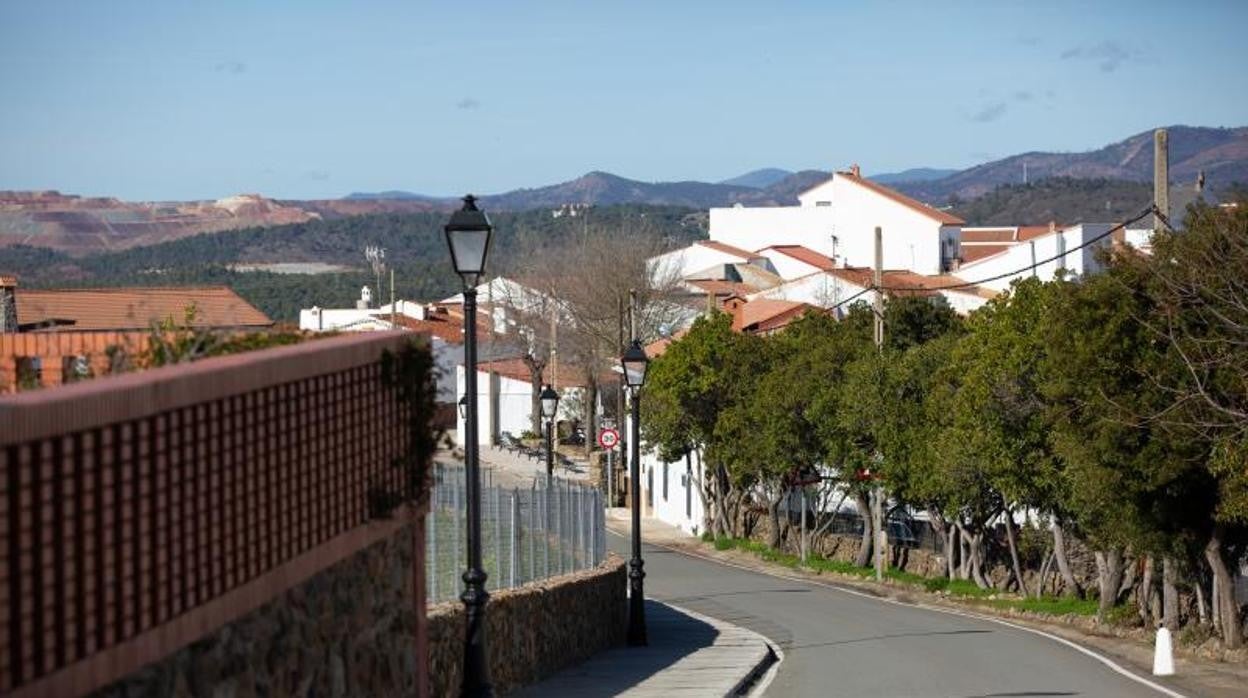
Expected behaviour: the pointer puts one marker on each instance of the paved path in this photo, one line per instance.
(837, 643)
(688, 655)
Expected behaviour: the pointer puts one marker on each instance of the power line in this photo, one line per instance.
(1151, 210)
(967, 284)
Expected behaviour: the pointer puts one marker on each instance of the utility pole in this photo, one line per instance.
(877, 493)
(1161, 177)
(554, 341)
(619, 394)
(393, 312)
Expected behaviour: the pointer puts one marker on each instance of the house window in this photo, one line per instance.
(823, 203)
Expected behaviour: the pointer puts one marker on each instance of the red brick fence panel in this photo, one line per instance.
(128, 502)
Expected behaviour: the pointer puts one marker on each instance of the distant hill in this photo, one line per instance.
(759, 179)
(605, 189)
(915, 174)
(414, 244)
(1068, 200)
(395, 195)
(1221, 152)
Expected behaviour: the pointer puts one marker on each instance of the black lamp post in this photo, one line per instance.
(550, 410)
(468, 234)
(634, 362)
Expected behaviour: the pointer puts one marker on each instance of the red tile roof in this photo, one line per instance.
(914, 205)
(804, 254)
(974, 253)
(722, 288)
(136, 308)
(973, 235)
(766, 314)
(565, 376)
(443, 326)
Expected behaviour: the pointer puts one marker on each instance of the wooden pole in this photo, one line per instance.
(1161, 176)
(877, 503)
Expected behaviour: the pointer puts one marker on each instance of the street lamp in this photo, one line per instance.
(468, 235)
(463, 407)
(550, 409)
(634, 362)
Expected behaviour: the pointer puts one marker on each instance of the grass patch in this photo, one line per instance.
(964, 588)
(1058, 606)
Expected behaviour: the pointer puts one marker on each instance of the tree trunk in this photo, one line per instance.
(1224, 596)
(1012, 540)
(964, 552)
(535, 398)
(1109, 578)
(977, 559)
(591, 414)
(864, 512)
(1144, 593)
(1201, 606)
(1170, 593)
(944, 531)
(773, 515)
(1070, 587)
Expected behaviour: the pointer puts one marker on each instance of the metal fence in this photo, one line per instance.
(527, 534)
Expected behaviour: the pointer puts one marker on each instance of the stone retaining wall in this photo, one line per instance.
(350, 630)
(535, 630)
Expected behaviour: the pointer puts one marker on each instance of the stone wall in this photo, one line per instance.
(535, 630)
(350, 630)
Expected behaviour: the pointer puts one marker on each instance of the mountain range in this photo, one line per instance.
(81, 225)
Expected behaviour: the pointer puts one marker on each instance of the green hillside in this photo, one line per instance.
(414, 243)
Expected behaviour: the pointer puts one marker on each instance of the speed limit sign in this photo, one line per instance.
(608, 438)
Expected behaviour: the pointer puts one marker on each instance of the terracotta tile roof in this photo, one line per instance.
(722, 288)
(136, 308)
(450, 329)
(973, 235)
(804, 254)
(516, 368)
(914, 205)
(659, 346)
(1031, 232)
(974, 253)
(726, 249)
(766, 313)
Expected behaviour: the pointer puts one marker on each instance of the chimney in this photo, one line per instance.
(8, 303)
(733, 304)
(854, 170)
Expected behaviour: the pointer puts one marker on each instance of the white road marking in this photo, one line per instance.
(953, 612)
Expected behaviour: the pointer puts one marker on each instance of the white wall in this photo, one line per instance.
(911, 240)
(1020, 257)
(513, 406)
(844, 228)
(682, 507)
(758, 227)
(685, 261)
(821, 289)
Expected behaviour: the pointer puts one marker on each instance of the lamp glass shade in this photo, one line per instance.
(550, 403)
(634, 362)
(468, 235)
(463, 407)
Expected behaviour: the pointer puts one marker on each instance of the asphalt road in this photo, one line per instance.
(839, 644)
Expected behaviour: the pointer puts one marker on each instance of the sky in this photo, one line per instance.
(178, 100)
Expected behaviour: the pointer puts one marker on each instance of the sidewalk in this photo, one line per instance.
(688, 655)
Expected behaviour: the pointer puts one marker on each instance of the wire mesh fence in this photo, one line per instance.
(527, 534)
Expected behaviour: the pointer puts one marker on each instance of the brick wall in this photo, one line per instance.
(138, 513)
(536, 630)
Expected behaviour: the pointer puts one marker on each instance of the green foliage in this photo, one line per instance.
(414, 242)
(1061, 199)
(410, 374)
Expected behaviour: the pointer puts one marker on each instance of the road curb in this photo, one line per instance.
(769, 658)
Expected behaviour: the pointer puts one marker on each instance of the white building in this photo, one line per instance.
(505, 399)
(1041, 252)
(838, 219)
